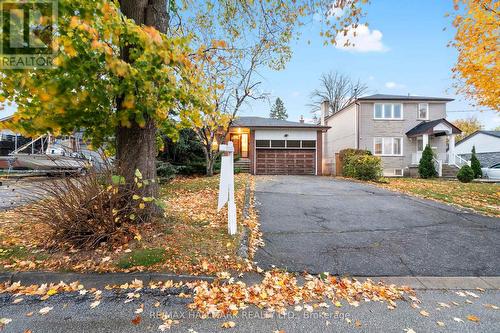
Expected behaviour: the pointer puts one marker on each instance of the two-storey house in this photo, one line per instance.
(396, 128)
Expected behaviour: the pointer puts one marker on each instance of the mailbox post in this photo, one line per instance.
(226, 186)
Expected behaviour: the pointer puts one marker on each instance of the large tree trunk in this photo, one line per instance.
(135, 145)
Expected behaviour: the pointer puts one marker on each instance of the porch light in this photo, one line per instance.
(238, 130)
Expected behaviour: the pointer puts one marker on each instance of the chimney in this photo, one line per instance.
(301, 119)
(325, 108)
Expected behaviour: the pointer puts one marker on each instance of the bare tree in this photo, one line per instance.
(339, 89)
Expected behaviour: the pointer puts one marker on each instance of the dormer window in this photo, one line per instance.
(388, 111)
(423, 111)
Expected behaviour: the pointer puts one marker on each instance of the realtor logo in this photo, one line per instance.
(27, 33)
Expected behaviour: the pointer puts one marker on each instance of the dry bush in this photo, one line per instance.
(87, 210)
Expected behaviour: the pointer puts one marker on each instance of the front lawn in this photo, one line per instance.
(481, 197)
(192, 239)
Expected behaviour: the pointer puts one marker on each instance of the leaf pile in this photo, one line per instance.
(279, 290)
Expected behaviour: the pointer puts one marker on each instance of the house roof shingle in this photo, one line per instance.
(260, 122)
(384, 97)
(426, 127)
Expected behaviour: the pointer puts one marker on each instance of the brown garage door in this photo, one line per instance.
(286, 162)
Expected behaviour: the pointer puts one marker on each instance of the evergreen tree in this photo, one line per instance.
(278, 110)
(475, 164)
(426, 167)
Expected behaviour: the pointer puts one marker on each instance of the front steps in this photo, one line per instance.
(243, 165)
(450, 171)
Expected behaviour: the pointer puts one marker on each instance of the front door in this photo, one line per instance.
(240, 142)
(235, 138)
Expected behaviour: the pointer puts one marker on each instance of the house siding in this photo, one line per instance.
(370, 128)
(341, 135)
(484, 143)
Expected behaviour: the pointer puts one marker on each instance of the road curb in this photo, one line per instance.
(96, 280)
(440, 283)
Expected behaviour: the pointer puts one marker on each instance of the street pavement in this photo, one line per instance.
(318, 224)
(72, 313)
(17, 192)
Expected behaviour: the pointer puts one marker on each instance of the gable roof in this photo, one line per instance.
(261, 122)
(384, 97)
(426, 127)
(491, 133)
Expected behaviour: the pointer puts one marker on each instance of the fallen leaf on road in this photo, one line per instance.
(94, 304)
(157, 304)
(17, 300)
(470, 293)
(458, 320)
(491, 306)
(29, 314)
(228, 324)
(460, 293)
(424, 313)
(444, 305)
(473, 318)
(136, 320)
(4, 321)
(357, 323)
(409, 330)
(440, 323)
(45, 310)
(480, 289)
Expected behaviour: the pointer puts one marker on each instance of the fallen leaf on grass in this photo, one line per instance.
(473, 318)
(45, 310)
(228, 324)
(136, 320)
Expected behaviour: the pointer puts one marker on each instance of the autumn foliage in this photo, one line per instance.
(477, 42)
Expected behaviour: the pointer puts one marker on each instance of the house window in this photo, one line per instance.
(398, 172)
(262, 143)
(308, 144)
(293, 144)
(388, 111)
(388, 146)
(278, 143)
(423, 111)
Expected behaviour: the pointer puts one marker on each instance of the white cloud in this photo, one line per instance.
(361, 39)
(371, 77)
(393, 85)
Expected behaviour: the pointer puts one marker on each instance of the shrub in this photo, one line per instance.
(165, 171)
(465, 174)
(426, 167)
(364, 167)
(345, 154)
(85, 211)
(475, 164)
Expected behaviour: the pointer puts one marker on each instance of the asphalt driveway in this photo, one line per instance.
(322, 224)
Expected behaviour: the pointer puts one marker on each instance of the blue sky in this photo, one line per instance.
(408, 54)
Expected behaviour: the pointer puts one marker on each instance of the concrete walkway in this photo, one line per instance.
(347, 228)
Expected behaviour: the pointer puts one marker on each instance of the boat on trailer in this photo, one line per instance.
(47, 154)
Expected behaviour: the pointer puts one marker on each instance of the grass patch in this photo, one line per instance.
(142, 257)
(480, 197)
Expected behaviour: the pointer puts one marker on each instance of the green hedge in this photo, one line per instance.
(360, 164)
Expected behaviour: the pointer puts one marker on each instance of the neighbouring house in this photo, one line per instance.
(396, 128)
(487, 145)
(268, 146)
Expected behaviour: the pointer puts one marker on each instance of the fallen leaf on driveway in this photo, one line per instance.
(228, 324)
(440, 323)
(409, 330)
(357, 323)
(470, 293)
(444, 305)
(45, 310)
(458, 320)
(17, 300)
(473, 318)
(491, 306)
(4, 321)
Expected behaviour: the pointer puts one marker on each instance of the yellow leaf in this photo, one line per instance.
(228, 324)
(473, 318)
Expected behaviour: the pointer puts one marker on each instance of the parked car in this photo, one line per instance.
(493, 172)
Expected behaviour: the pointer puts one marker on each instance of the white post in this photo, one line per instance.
(226, 186)
(451, 150)
(425, 140)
